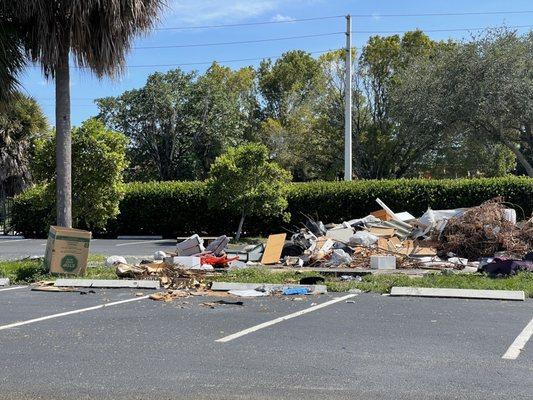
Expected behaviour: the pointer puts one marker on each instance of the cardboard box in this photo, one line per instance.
(67, 250)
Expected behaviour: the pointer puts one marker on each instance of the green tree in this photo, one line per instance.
(21, 123)
(99, 157)
(483, 88)
(97, 33)
(226, 112)
(293, 79)
(293, 93)
(244, 180)
(159, 120)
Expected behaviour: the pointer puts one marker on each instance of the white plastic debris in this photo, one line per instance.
(458, 260)
(362, 238)
(159, 255)
(339, 257)
(112, 260)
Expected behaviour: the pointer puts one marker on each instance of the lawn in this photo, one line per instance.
(32, 270)
(27, 271)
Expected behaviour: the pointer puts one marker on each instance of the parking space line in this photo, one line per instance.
(284, 318)
(12, 288)
(144, 241)
(520, 342)
(63, 314)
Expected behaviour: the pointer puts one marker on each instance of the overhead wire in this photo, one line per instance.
(355, 15)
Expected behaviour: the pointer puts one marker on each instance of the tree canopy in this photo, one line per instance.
(245, 181)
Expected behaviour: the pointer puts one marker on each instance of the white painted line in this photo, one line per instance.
(281, 319)
(11, 241)
(63, 314)
(13, 288)
(519, 343)
(144, 241)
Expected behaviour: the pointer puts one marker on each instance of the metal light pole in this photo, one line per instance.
(348, 103)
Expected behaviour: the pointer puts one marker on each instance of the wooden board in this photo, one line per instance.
(424, 251)
(273, 248)
(382, 215)
(382, 232)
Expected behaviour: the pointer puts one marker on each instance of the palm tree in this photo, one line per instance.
(11, 59)
(21, 122)
(96, 34)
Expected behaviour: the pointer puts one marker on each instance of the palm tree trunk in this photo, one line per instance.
(63, 142)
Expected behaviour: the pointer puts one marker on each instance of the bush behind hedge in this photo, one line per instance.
(180, 208)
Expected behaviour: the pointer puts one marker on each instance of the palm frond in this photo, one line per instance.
(98, 33)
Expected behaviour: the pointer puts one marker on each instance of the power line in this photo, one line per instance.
(238, 42)
(310, 36)
(444, 30)
(375, 15)
(202, 62)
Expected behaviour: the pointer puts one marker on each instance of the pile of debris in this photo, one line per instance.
(464, 239)
(487, 238)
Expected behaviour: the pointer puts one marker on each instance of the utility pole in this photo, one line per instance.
(348, 103)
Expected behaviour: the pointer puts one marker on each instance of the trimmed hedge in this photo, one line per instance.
(180, 208)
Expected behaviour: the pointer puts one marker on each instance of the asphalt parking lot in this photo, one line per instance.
(66, 346)
(14, 249)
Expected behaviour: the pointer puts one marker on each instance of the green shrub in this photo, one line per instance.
(33, 212)
(98, 159)
(180, 208)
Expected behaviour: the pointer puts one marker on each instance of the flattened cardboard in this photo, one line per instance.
(273, 248)
(67, 250)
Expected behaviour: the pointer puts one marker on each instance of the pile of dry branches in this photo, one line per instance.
(483, 230)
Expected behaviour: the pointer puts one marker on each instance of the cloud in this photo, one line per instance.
(206, 11)
(282, 18)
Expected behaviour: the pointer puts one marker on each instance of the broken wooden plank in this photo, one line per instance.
(108, 283)
(518, 295)
(273, 248)
(227, 286)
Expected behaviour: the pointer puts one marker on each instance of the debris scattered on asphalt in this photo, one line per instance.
(111, 261)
